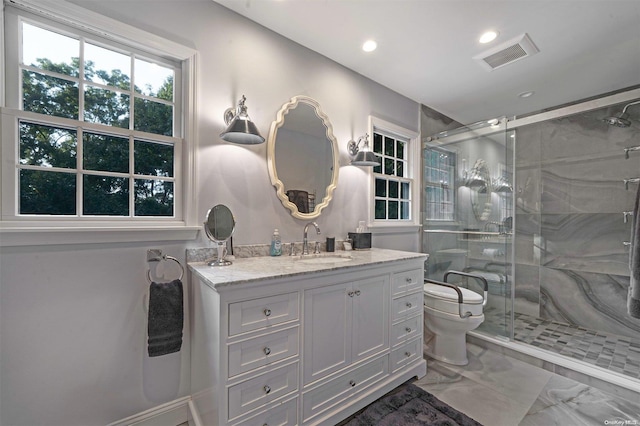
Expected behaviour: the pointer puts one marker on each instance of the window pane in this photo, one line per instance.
(388, 166)
(377, 168)
(404, 191)
(153, 79)
(377, 143)
(381, 187)
(106, 107)
(153, 117)
(153, 159)
(47, 146)
(393, 189)
(106, 66)
(154, 198)
(400, 168)
(400, 150)
(45, 192)
(106, 153)
(404, 210)
(48, 50)
(106, 196)
(381, 209)
(393, 210)
(49, 95)
(388, 146)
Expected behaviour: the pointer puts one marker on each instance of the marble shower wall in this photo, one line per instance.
(571, 264)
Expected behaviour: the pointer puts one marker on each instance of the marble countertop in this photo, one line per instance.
(246, 270)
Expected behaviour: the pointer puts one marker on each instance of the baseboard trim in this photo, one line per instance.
(171, 413)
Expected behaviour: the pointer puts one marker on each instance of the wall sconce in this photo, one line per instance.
(240, 129)
(362, 157)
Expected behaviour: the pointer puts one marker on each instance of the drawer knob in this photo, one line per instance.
(357, 292)
(408, 280)
(408, 329)
(267, 389)
(351, 293)
(267, 351)
(267, 312)
(407, 354)
(352, 383)
(409, 304)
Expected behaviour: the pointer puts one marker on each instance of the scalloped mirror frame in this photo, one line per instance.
(271, 157)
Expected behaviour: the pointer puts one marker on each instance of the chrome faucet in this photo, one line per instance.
(305, 241)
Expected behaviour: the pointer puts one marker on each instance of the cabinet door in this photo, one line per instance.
(371, 300)
(327, 330)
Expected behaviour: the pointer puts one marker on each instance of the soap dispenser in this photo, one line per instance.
(276, 244)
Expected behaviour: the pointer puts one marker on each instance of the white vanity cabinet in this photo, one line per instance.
(344, 323)
(275, 342)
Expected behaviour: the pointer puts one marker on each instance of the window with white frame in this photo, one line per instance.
(393, 180)
(439, 179)
(96, 125)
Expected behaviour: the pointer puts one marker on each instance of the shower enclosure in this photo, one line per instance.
(551, 228)
(468, 213)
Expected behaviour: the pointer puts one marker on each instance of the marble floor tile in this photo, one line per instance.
(505, 374)
(480, 402)
(566, 402)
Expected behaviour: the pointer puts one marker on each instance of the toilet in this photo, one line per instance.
(443, 317)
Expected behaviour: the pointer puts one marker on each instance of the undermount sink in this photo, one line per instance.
(324, 258)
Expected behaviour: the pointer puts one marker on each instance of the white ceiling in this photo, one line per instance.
(426, 47)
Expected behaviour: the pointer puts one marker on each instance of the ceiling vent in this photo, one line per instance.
(507, 53)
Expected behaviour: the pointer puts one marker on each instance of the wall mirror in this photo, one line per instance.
(479, 183)
(302, 156)
(219, 226)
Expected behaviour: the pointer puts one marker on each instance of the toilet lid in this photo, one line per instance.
(448, 293)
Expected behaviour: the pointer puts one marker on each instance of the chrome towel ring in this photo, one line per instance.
(155, 255)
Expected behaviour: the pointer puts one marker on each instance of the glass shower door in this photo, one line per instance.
(467, 213)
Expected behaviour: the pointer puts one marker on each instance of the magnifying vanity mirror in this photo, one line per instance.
(219, 227)
(302, 156)
(479, 183)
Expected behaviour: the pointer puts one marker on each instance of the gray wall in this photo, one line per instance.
(73, 331)
(571, 265)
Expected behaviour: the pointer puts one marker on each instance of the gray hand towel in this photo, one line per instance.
(166, 317)
(633, 299)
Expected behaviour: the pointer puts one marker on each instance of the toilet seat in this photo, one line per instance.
(445, 299)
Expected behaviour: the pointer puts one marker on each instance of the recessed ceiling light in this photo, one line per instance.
(369, 46)
(488, 36)
(526, 94)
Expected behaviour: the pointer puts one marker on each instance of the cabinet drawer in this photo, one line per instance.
(339, 389)
(408, 305)
(405, 354)
(262, 350)
(260, 390)
(406, 330)
(284, 414)
(259, 313)
(407, 281)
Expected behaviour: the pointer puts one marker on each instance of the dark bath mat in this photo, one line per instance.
(408, 405)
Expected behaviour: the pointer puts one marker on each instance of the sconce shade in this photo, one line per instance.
(240, 129)
(475, 181)
(365, 158)
(502, 185)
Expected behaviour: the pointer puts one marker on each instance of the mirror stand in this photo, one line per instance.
(220, 259)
